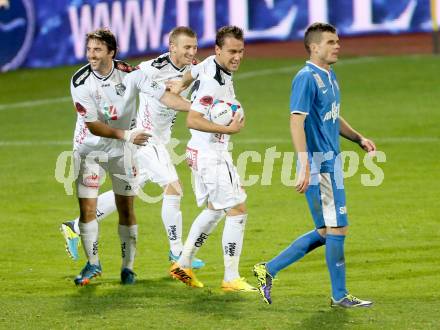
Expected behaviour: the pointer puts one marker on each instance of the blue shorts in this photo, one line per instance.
(326, 199)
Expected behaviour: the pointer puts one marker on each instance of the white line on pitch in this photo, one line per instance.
(246, 75)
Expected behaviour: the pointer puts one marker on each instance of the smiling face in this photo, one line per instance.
(99, 56)
(325, 51)
(230, 54)
(183, 50)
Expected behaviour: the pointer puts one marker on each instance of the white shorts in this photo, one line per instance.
(91, 174)
(155, 165)
(216, 179)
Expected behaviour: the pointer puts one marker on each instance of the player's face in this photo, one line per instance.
(230, 54)
(183, 50)
(99, 57)
(327, 50)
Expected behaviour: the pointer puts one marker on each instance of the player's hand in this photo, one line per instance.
(303, 178)
(367, 145)
(138, 136)
(236, 125)
(174, 86)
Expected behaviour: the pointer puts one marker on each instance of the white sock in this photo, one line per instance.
(172, 220)
(106, 205)
(128, 236)
(232, 242)
(89, 239)
(202, 226)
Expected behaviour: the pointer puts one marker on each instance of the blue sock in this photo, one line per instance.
(334, 255)
(298, 249)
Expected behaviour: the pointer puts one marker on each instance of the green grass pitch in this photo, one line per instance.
(392, 250)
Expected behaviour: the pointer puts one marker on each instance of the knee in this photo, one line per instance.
(174, 189)
(239, 209)
(337, 230)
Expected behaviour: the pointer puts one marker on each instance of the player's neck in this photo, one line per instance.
(322, 65)
(104, 72)
(176, 62)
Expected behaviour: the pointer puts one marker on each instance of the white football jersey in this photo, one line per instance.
(152, 114)
(212, 82)
(111, 100)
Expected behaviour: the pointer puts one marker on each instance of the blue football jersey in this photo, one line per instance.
(315, 92)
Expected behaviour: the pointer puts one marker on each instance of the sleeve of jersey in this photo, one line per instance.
(84, 104)
(205, 95)
(196, 70)
(301, 96)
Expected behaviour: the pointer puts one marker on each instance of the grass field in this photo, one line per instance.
(392, 250)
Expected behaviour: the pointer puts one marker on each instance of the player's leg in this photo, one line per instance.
(228, 194)
(155, 165)
(335, 217)
(172, 220)
(128, 232)
(265, 272)
(70, 229)
(125, 191)
(87, 183)
(232, 243)
(306, 242)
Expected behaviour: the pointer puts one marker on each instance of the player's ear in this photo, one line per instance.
(217, 50)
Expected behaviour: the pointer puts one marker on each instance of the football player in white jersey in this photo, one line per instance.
(153, 160)
(217, 183)
(104, 93)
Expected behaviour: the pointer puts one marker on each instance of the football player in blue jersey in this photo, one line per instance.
(315, 126)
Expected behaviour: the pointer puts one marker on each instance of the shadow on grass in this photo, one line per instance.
(331, 318)
(159, 295)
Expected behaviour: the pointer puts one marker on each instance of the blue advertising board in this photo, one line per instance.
(49, 33)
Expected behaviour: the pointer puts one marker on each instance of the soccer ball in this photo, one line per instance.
(222, 111)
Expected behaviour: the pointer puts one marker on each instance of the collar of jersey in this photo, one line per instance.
(97, 75)
(318, 67)
(222, 68)
(174, 66)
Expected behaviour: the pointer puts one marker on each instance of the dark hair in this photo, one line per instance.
(105, 36)
(314, 32)
(181, 30)
(228, 31)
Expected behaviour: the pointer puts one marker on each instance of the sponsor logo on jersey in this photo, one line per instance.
(154, 85)
(80, 109)
(82, 77)
(201, 239)
(318, 80)
(110, 112)
(333, 113)
(343, 210)
(206, 100)
(120, 89)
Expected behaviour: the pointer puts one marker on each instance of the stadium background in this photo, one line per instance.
(389, 87)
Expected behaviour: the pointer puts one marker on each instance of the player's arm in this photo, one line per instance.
(196, 120)
(299, 144)
(136, 136)
(178, 86)
(301, 99)
(348, 132)
(86, 107)
(175, 102)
